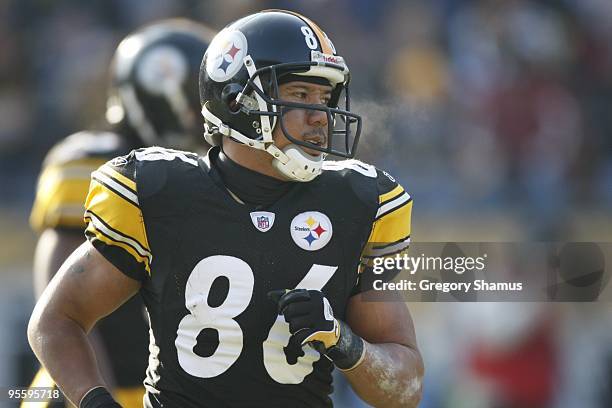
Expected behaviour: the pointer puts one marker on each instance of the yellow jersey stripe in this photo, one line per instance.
(60, 187)
(387, 249)
(68, 216)
(115, 235)
(119, 177)
(390, 244)
(393, 204)
(121, 215)
(116, 187)
(56, 201)
(392, 226)
(386, 196)
(103, 233)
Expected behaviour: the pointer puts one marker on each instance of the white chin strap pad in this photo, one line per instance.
(300, 166)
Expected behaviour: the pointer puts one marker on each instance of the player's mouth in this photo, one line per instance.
(319, 142)
(316, 137)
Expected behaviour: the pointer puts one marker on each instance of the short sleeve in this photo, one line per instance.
(390, 234)
(115, 223)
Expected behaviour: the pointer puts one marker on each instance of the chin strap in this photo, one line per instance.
(300, 166)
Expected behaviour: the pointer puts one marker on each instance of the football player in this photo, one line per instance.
(153, 100)
(253, 260)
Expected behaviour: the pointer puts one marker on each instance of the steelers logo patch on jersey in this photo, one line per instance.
(311, 230)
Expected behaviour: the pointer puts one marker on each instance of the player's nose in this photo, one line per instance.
(317, 118)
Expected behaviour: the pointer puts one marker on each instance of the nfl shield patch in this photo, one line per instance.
(262, 220)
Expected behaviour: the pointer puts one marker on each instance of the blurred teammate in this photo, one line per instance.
(153, 100)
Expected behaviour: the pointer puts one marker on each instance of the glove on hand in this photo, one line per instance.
(311, 321)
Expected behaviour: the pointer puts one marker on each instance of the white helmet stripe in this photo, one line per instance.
(136, 115)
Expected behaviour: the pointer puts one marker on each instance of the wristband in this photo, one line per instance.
(349, 352)
(98, 397)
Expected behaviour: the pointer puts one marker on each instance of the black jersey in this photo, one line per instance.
(60, 196)
(206, 263)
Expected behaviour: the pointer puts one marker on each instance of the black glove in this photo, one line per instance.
(311, 321)
(98, 397)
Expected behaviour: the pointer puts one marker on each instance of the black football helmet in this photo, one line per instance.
(239, 88)
(154, 83)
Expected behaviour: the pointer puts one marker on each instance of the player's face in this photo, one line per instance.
(303, 124)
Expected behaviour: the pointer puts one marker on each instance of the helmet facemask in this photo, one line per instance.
(259, 102)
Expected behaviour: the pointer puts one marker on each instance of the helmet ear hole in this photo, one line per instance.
(228, 96)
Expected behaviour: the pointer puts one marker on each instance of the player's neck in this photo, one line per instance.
(252, 159)
(247, 185)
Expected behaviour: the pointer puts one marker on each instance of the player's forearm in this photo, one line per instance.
(390, 375)
(63, 348)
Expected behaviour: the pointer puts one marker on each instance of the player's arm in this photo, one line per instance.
(53, 247)
(57, 215)
(97, 278)
(86, 288)
(376, 345)
(391, 370)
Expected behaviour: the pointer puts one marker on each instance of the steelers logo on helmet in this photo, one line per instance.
(162, 69)
(226, 54)
(311, 230)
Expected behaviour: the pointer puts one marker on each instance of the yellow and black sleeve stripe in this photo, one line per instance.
(60, 194)
(390, 234)
(391, 228)
(115, 224)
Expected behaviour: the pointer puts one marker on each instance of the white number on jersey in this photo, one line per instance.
(274, 355)
(221, 318)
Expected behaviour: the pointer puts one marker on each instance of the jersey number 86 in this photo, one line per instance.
(222, 318)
